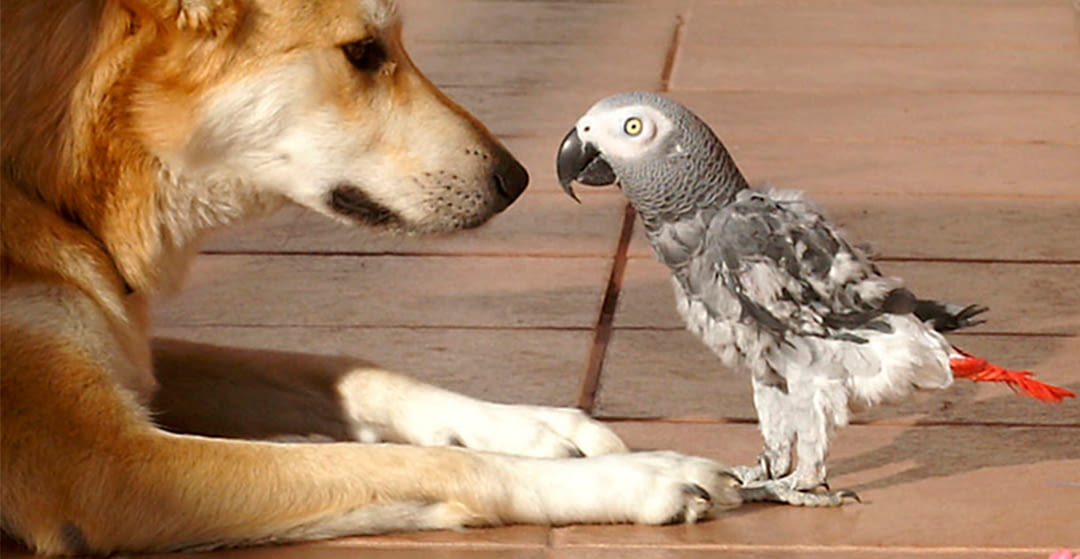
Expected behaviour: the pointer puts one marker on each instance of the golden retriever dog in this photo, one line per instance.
(131, 128)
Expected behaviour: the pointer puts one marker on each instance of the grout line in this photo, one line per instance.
(969, 334)
(672, 55)
(399, 254)
(473, 327)
(387, 542)
(790, 45)
(875, 90)
(900, 422)
(594, 256)
(330, 326)
(590, 382)
(938, 260)
(901, 140)
(796, 549)
(943, 260)
(798, 90)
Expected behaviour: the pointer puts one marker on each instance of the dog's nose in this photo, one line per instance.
(511, 178)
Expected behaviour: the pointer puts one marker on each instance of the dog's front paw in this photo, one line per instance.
(673, 488)
(533, 431)
(643, 488)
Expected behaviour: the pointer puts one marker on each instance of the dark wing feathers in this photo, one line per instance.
(791, 272)
(946, 317)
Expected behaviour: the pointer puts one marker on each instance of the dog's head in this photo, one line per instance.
(320, 103)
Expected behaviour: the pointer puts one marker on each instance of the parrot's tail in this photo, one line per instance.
(978, 369)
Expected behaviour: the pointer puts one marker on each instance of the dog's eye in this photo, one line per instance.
(367, 55)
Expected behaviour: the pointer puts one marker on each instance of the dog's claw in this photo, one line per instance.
(698, 505)
(697, 491)
(849, 494)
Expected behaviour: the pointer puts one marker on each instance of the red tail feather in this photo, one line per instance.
(978, 369)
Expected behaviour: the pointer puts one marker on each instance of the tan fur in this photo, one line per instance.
(128, 128)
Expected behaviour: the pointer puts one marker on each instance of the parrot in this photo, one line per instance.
(773, 288)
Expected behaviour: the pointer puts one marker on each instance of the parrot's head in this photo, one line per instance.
(665, 158)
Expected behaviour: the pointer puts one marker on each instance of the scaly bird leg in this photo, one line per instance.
(773, 463)
(784, 422)
(775, 460)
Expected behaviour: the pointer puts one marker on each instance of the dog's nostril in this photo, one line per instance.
(511, 178)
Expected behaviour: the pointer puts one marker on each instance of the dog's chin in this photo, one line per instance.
(442, 216)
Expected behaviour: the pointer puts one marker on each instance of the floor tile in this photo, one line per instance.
(547, 113)
(540, 367)
(990, 170)
(873, 168)
(930, 227)
(650, 373)
(1038, 24)
(504, 537)
(851, 117)
(872, 68)
(539, 224)
(601, 67)
(944, 487)
(1023, 298)
(781, 552)
(541, 22)
(232, 290)
(346, 550)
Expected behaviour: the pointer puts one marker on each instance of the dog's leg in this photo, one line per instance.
(255, 394)
(385, 406)
(84, 472)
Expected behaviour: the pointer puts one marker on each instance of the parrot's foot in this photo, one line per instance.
(783, 491)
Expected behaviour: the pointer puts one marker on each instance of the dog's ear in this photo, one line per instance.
(214, 17)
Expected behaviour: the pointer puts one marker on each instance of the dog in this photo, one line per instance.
(133, 127)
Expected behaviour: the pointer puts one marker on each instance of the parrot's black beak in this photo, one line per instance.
(581, 162)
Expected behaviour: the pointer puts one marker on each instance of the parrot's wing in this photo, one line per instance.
(793, 273)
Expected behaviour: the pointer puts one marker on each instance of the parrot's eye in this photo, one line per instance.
(633, 126)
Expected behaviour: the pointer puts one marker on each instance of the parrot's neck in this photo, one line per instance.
(698, 185)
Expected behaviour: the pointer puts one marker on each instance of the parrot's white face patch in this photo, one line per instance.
(624, 133)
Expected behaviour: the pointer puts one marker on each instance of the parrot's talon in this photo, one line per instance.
(783, 491)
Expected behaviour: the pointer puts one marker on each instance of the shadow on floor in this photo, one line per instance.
(947, 450)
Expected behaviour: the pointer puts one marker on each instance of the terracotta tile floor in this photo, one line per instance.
(947, 132)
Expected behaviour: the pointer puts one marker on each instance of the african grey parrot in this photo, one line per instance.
(771, 287)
